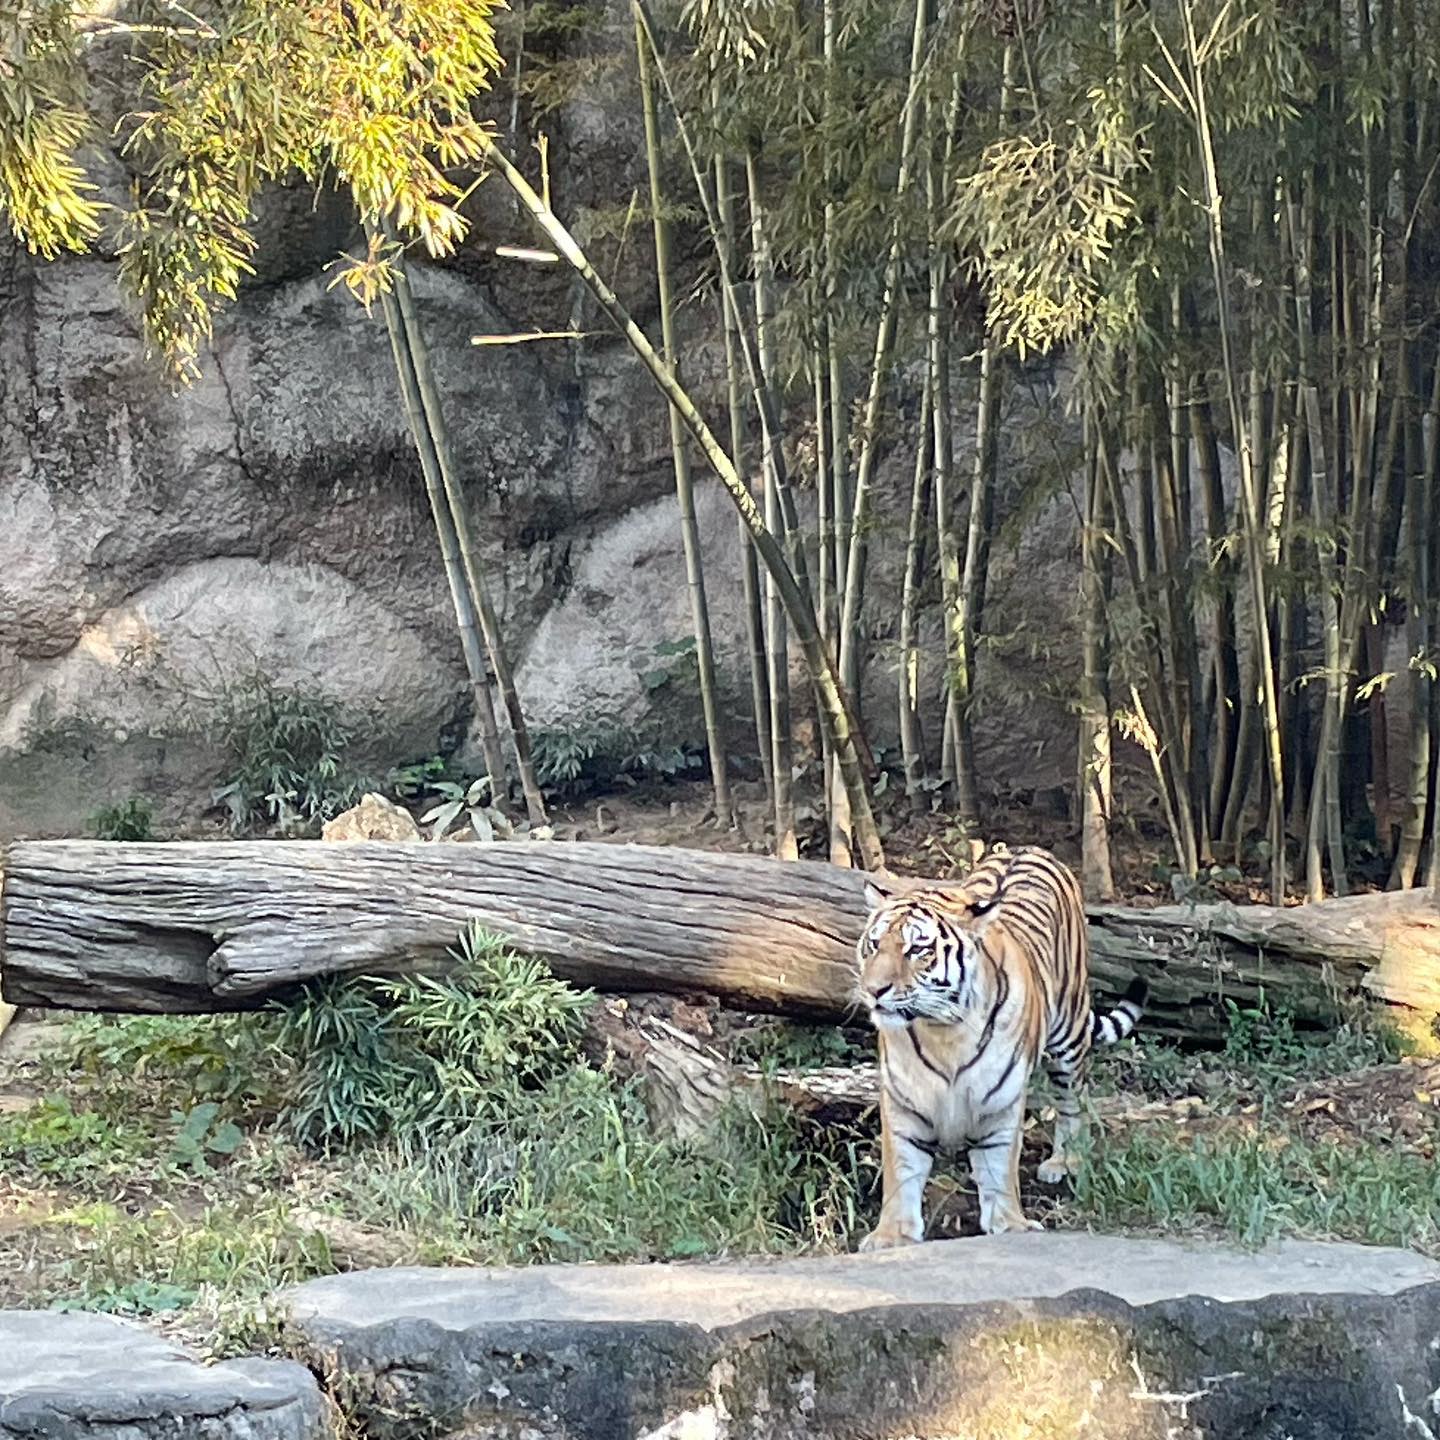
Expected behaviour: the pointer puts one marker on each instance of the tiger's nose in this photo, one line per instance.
(876, 993)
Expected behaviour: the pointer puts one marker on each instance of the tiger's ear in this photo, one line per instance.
(875, 897)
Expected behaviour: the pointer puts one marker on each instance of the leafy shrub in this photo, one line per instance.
(201, 1133)
(475, 802)
(426, 1053)
(605, 751)
(287, 755)
(602, 754)
(213, 1057)
(409, 781)
(483, 1131)
(1265, 1040)
(130, 820)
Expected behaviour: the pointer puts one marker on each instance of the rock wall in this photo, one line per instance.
(156, 549)
(155, 546)
(1044, 1336)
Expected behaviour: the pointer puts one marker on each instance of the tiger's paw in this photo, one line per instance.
(878, 1240)
(1008, 1220)
(1056, 1169)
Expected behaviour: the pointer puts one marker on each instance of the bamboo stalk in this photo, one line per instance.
(1324, 790)
(749, 566)
(1269, 700)
(970, 594)
(849, 638)
(470, 642)
(912, 744)
(772, 439)
(1419, 519)
(781, 740)
(684, 490)
(484, 608)
(834, 711)
(1095, 778)
(1228, 702)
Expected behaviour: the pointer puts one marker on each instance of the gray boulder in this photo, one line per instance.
(987, 1339)
(93, 1377)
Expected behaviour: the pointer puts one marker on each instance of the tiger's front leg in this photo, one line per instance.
(995, 1165)
(907, 1153)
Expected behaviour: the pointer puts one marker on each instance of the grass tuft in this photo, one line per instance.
(1260, 1183)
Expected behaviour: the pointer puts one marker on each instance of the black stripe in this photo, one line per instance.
(930, 1147)
(908, 1107)
(1065, 1049)
(1009, 1070)
(986, 1144)
(989, 1030)
(924, 1059)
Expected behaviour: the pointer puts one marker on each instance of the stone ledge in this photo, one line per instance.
(93, 1377)
(982, 1339)
(999, 1267)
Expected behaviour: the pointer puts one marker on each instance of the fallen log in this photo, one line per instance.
(195, 927)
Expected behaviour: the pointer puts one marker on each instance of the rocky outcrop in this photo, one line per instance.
(91, 1377)
(155, 546)
(271, 518)
(1047, 1336)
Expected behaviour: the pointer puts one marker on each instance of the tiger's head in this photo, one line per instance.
(917, 955)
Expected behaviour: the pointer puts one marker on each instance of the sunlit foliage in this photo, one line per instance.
(374, 96)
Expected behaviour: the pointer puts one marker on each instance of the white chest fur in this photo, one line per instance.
(960, 1087)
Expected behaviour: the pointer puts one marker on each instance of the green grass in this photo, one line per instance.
(1252, 1174)
(448, 1119)
(577, 1172)
(1260, 1183)
(145, 1099)
(168, 1258)
(787, 1045)
(186, 1168)
(1264, 1052)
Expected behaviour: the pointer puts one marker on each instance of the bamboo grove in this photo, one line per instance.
(1221, 216)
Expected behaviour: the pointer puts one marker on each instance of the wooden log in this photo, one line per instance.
(194, 927)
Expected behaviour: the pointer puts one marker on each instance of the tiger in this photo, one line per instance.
(968, 988)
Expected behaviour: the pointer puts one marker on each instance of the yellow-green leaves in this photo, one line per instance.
(185, 256)
(1043, 209)
(372, 95)
(43, 191)
(367, 277)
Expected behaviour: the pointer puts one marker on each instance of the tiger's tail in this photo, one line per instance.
(1122, 1020)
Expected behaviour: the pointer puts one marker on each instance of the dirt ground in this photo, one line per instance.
(927, 844)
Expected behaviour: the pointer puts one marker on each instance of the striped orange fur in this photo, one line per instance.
(970, 987)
